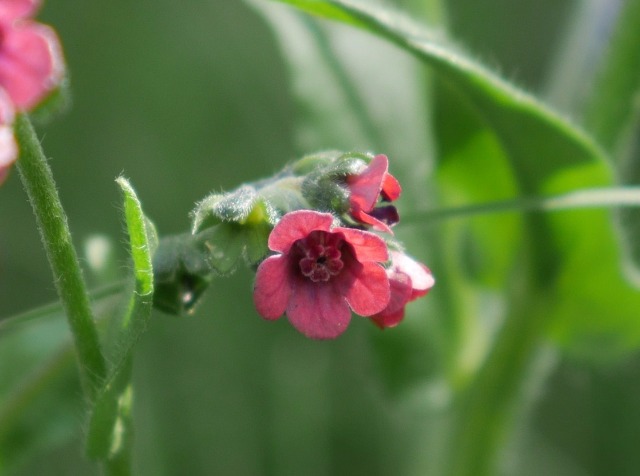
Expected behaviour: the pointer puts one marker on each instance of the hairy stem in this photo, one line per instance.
(52, 223)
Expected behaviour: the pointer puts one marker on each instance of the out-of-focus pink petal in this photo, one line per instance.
(296, 226)
(317, 311)
(391, 188)
(421, 278)
(8, 151)
(401, 290)
(368, 292)
(11, 10)
(272, 288)
(365, 187)
(8, 145)
(7, 112)
(391, 319)
(366, 246)
(31, 63)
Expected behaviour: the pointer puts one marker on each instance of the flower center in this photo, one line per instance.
(321, 255)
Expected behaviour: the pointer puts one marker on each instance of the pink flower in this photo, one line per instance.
(319, 273)
(31, 63)
(367, 187)
(8, 146)
(408, 281)
(31, 66)
(12, 9)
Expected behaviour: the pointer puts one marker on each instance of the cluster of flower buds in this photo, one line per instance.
(320, 235)
(31, 68)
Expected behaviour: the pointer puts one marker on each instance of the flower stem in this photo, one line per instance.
(614, 197)
(52, 223)
(489, 404)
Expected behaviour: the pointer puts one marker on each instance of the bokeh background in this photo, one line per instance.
(186, 98)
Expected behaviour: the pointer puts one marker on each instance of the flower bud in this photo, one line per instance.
(181, 274)
(325, 188)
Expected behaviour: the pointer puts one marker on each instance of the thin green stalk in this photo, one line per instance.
(618, 84)
(52, 223)
(55, 308)
(615, 197)
(579, 53)
(490, 401)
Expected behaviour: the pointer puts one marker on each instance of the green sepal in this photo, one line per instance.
(228, 242)
(243, 205)
(326, 189)
(56, 102)
(182, 274)
(312, 162)
(233, 206)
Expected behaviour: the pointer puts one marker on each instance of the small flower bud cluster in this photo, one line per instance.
(320, 235)
(31, 68)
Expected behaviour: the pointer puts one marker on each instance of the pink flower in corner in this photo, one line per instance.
(320, 273)
(31, 66)
(12, 9)
(31, 63)
(408, 281)
(373, 183)
(8, 146)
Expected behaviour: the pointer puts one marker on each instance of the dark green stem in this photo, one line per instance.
(52, 223)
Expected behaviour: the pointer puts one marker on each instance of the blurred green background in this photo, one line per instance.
(186, 98)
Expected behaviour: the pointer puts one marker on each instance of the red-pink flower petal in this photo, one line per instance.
(421, 278)
(367, 291)
(272, 289)
(296, 226)
(391, 188)
(316, 310)
(408, 280)
(8, 145)
(388, 319)
(8, 151)
(366, 246)
(365, 187)
(376, 224)
(11, 10)
(401, 290)
(31, 62)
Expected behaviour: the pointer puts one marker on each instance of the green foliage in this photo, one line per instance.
(108, 437)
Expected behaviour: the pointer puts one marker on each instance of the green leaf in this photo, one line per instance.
(109, 416)
(613, 114)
